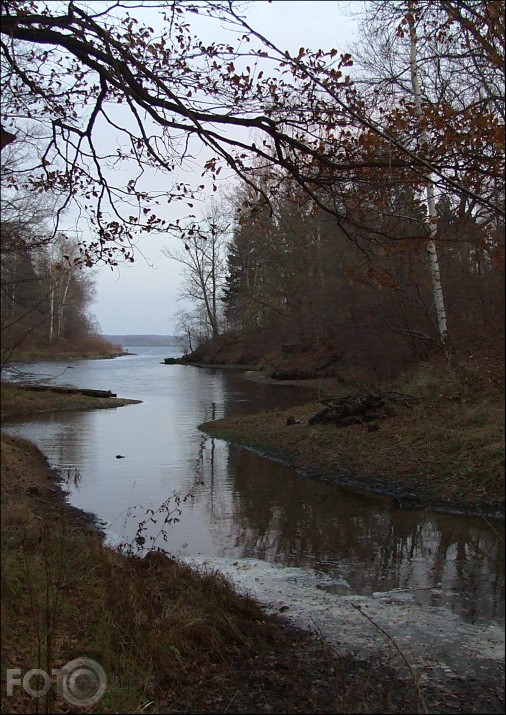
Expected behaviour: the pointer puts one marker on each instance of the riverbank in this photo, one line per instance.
(171, 638)
(89, 348)
(22, 402)
(444, 452)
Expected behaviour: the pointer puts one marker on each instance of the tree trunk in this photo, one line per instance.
(51, 310)
(65, 280)
(437, 287)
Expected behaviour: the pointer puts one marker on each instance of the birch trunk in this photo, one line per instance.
(65, 280)
(51, 310)
(437, 287)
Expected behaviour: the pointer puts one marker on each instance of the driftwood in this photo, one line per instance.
(70, 390)
(360, 409)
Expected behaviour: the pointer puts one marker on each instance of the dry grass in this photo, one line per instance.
(447, 451)
(154, 625)
(61, 349)
(170, 638)
(22, 402)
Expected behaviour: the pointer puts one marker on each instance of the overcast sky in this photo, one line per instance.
(142, 298)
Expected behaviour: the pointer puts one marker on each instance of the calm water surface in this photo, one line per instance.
(224, 501)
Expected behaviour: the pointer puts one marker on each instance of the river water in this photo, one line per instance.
(256, 519)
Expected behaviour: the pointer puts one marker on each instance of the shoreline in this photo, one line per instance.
(403, 499)
(238, 650)
(47, 485)
(404, 487)
(444, 454)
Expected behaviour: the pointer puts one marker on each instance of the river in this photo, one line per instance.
(299, 544)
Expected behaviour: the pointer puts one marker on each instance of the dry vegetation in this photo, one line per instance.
(61, 349)
(447, 451)
(23, 402)
(170, 638)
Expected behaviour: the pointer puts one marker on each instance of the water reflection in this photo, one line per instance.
(446, 558)
(235, 503)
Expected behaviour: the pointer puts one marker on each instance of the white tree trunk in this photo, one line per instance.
(437, 288)
(51, 310)
(65, 281)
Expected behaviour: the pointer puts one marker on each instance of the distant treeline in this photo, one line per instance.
(142, 339)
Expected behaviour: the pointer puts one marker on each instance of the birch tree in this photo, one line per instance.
(439, 305)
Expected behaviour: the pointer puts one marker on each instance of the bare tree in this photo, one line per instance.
(203, 261)
(70, 66)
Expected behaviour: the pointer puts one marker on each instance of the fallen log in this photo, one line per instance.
(98, 393)
(360, 409)
(70, 390)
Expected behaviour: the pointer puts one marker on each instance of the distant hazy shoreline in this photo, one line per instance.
(162, 340)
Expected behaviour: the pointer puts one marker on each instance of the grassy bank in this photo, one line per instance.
(171, 639)
(447, 451)
(63, 355)
(22, 402)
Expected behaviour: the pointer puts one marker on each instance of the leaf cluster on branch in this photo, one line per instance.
(88, 72)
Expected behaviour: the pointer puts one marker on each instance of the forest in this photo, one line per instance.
(45, 301)
(45, 296)
(290, 279)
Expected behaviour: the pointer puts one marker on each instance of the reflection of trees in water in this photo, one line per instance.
(402, 560)
(462, 554)
(208, 407)
(301, 520)
(470, 558)
(204, 472)
(203, 469)
(68, 448)
(297, 521)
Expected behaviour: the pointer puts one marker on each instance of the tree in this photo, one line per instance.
(78, 69)
(45, 295)
(23, 230)
(253, 292)
(26, 217)
(439, 304)
(292, 275)
(45, 299)
(275, 264)
(69, 290)
(203, 260)
(434, 98)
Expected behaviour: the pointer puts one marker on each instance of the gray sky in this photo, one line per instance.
(142, 298)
